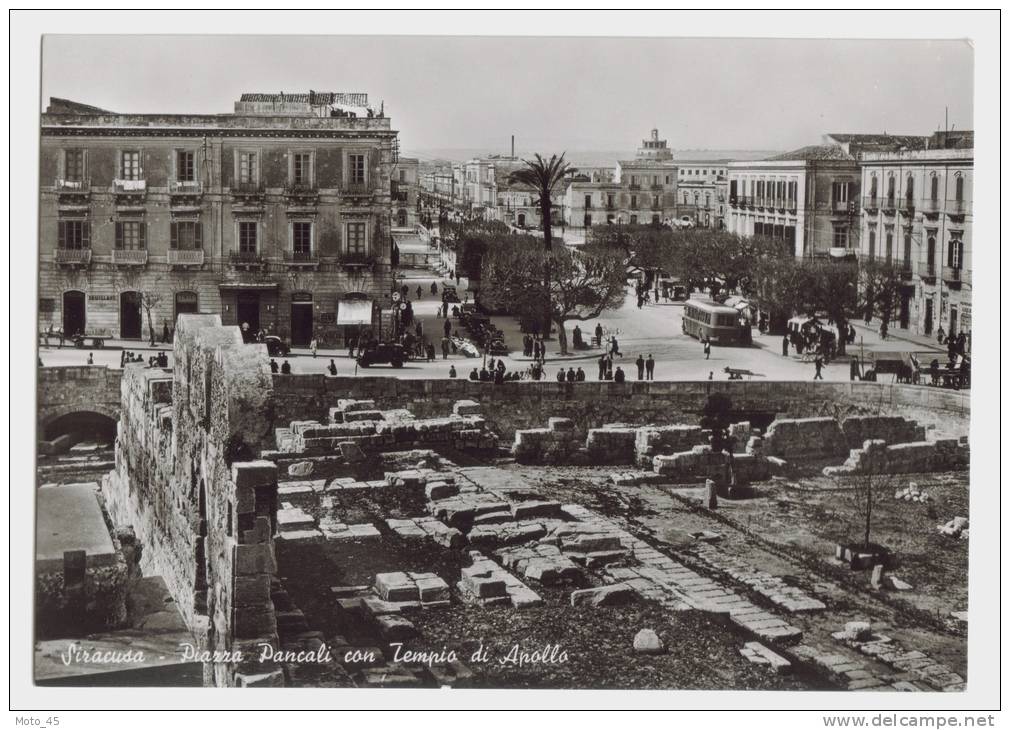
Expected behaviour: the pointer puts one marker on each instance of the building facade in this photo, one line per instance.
(702, 186)
(917, 215)
(403, 193)
(276, 217)
(642, 190)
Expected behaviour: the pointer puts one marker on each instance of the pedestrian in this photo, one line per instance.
(707, 347)
(474, 376)
(164, 331)
(650, 367)
(962, 340)
(60, 334)
(457, 277)
(709, 374)
(434, 289)
(640, 367)
(618, 375)
(162, 359)
(580, 375)
(599, 334)
(122, 359)
(602, 363)
(818, 364)
(332, 367)
(570, 376)
(445, 310)
(418, 329)
(91, 359)
(615, 349)
(854, 368)
(655, 295)
(420, 291)
(314, 346)
(639, 301)
(940, 335)
(452, 371)
(446, 327)
(40, 363)
(350, 345)
(445, 348)
(610, 369)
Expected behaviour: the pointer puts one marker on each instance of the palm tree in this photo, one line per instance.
(543, 176)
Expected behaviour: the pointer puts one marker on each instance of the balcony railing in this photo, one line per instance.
(301, 258)
(931, 206)
(129, 187)
(79, 187)
(300, 189)
(656, 186)
(842, 207)
(357, 188)
(356, 259)
(185, 187)
(927, 270)
(871, 202)
(185, 257)
(246, 188)
(889, 203)
(129, 257)
(248, 258)
(75, 256)
(957, 207)
(634, 186)
(956, 276)
(905, 269)
(906, 206)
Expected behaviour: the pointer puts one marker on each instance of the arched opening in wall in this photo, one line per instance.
(186, 302)
(521, 220)
(74, 313)
(130, 321)
(401, 218)
(82, 426)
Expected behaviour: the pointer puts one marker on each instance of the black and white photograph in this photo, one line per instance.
(626, 361)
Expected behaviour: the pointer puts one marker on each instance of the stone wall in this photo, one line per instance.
(201, 507)
(522, 405)
(65, 390)
(877, 457)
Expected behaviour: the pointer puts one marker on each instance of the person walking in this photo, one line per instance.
(445, 348)
(561, 375)
(640, 366)
(707, 347)
(332, 367)
(286, 368)
(940, 335)
(598, 332)
(91, 359)
(314, 346)
(615, 349)
(854, 368)
(164, 332)
(420, 291)
(818, 364)
(434, 289)
(602, 363)
(785, 345)
(650, 367)
(452, 371)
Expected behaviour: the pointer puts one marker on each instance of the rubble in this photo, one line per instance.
(954, 528)
(758, 653)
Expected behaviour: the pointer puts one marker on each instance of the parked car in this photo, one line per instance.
(276, 347)
(383, 352)
(685, 221)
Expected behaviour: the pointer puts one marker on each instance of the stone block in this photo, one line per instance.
(396, 587)
(300, 468)
(535, 508)
(615, 594)
(777, 662)
(647, 641)
(466, 408)
(560, 424)
(394, 627)
(431, 588)
(252, 474)
(440, 490)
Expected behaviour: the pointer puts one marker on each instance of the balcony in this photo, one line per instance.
(634, 186)
(931, 207)
(72, 187)
(129, 257)
(906, 206)
(842, 207)
(927, 272)
(401, 197)
(246, 189)
(357, 190)
(357, 260)
(185, 257)
(185, 187)
(72, 256)
(246, 259)
(956, 277)
(905, 271)
(658, 187)
(871, 204)
(888, 204)
(958, 208)
(129, 187)
(301, 190)
(301, 258)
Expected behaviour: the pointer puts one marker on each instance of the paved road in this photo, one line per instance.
(655, 329)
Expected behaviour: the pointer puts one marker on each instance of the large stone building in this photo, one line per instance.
(808, 197)
(403, 192)
(643, 190)
(275, 216)
(917, 214)
(701, 192)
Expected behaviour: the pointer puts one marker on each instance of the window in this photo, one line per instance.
(130, 235)
(872, 246)
(959, 189)
(301, 237)
(708, 199)
(129, 168)
(667, 179)
(890, 188)
(655, 201)
(910, 189)
(186, 235)
(840, 194)
(74, 234)
(403, 176)
(955, 251)
(610, 200)
(248, 169)
(634, 179)
(356, 169)
(301, 168)
(588, 202)
(888, 245)
(356, 238)
(931, 253)
(906, 254)
(185, 170)
(841, 237)
(934, 187)
(685, 198)
(873, 187)
(634, 220)
(73, 165)
(247, 236)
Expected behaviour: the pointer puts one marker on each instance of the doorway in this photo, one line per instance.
(130, 323)
(953, 322)
(903, 311)
(927, 324)
(186, 303)
(301, 319)
(73, 313)
(248, 311)
(521, 220)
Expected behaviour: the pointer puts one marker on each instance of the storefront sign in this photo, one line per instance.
(301, 296)
(102, 297)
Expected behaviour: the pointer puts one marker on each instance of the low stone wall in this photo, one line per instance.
(805, 438)
(522, 405)
(876, 457)
(556, 444)
(892, 429)
(653, 441)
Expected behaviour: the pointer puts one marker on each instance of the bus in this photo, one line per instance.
(717, 322)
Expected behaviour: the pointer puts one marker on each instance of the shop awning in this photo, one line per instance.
(266, 286)
(354, 311)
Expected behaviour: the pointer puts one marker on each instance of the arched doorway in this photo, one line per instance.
(301, 318)
(83, 426)
(401, 218)
(129, 315)
(74, 313)
(521, 220)
(186, 302)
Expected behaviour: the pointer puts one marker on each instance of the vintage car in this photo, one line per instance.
(383, 352)
(276, 347)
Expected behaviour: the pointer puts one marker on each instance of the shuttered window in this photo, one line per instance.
(187, 235)
(74, 234)
(131, 235)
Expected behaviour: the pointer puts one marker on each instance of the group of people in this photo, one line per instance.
(642, 293)
(956, 344)
(815, 340)
(127, 357)
(607, 371)
(535, 347)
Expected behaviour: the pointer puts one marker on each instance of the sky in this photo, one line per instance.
(551, 93)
